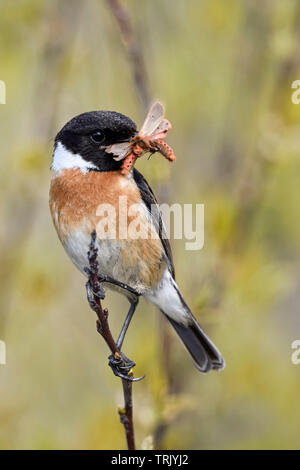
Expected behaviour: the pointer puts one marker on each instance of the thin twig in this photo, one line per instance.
(134, 51)
(126, 413)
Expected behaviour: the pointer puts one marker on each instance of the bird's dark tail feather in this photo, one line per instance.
(204, 353)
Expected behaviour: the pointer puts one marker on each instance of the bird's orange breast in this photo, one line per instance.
(75, 196)
(75, 199)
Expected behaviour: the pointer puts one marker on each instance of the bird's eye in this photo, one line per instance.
(97, 137)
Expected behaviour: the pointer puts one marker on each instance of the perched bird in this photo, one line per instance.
(88, 173)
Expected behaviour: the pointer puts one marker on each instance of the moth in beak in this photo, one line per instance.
(149, 139)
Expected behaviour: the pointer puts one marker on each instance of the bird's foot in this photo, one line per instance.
(94, 291)
(122, 367)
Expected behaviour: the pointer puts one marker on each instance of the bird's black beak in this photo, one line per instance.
(128, 139)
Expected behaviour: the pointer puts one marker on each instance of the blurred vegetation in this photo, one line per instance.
(224, 71)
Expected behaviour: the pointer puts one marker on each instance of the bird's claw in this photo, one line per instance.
(96, 292)
(121, 367)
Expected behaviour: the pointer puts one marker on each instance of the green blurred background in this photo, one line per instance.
(224, 71)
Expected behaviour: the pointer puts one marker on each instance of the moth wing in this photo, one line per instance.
(153, 119)
(119, 151)
(162, 129)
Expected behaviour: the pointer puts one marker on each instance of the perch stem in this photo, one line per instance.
(120, 365)
(134, 50)
(126, 414)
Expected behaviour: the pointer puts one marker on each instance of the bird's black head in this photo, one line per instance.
(78, 144)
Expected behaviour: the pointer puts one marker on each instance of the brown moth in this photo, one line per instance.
(149, 139)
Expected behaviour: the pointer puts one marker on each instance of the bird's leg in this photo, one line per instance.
(97, 289)
(133, 305)
(119, 363)
(123, 286)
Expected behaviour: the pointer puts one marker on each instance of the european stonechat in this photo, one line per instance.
(93, 171)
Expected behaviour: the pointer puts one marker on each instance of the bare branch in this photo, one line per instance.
(134, 51)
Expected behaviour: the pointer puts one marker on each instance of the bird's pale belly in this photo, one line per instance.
(74, 199)
(137, 263)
